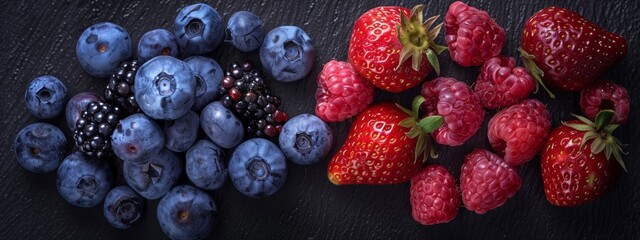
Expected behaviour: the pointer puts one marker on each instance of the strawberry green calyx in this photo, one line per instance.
(417, 39)
(420, 128)
(534, 70)
(601, 132)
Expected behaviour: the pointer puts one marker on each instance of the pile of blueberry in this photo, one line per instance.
(151, 112)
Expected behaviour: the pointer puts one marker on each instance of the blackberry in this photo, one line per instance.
(119, 91)
(94, 128)
(246, 93)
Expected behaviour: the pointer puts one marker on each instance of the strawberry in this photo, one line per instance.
(472, 35)
(487, 181)
(384, 146)
(384, 38)
(501, 83)
(576, 164)
(434, 196)
(518, 132)
(568, 51)
(341, 92)
(457, 104)
(605, 95)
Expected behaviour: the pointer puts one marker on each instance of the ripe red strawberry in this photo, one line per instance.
(486, 181)
(341, 92)
(457, 104)
(434, 196)
(472, 35)
(518, 132)
(605, 95)
(568, 51)
(384, 38)
(501, 83)
(384, 146)
(576, 164)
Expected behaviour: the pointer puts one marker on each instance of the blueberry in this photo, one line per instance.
(102, 47)
(181, 133)
(223, 128)
(77, 104)
(186, 213)
(205, 165)
(123, 207)
(40, 147)
(257, 168)
(45, 97)
(83, 181)
(305, 139)
(154, 178)
(165, 88)
(198, 28)
(287, 53)
(157, 42)
(244, 31)
(137, 138)
(208, 75)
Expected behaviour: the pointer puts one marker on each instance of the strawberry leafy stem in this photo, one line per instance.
(600, 131)
(421, 128)
(417, 39)
(534, 70)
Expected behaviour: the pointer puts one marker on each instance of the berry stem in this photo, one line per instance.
(534, 70)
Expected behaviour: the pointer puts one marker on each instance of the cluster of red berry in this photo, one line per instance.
(392, 48)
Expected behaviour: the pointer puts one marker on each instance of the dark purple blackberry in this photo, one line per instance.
(247, 94)
(94, 128)
(119, 90)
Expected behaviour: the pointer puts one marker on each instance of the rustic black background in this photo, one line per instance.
(39, 38)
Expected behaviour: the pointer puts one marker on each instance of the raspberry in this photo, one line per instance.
(486, 181)
(434, 196)
(518, 132)
(501, 83)
(605, 95)
(458, 104)
(341, 93)
(472, 35)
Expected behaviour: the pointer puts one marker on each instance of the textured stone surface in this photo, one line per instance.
(39, 37)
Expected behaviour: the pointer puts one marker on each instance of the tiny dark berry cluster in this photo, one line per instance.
(247, 94)
(119, 91)
(94, 128)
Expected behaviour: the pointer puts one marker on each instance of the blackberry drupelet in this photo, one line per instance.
(246, 93)
(94, 128)
(119, 91)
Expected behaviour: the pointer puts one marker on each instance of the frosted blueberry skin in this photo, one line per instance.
(83, 181)
(40, 147)
(305, 139)
(205, 165)
(156, 177)
(181, 133)
(208, 74)
(165, 88)
(186, 212)
(257, 168)
(102, 47)
(157, 42)
(77, 104)
(45, 97)
(198, 29)
(244, 31)
(287, 53)
(123, 207)
(223, 128)
(137, 138)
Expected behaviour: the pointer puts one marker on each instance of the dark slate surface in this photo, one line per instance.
(39, 38)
